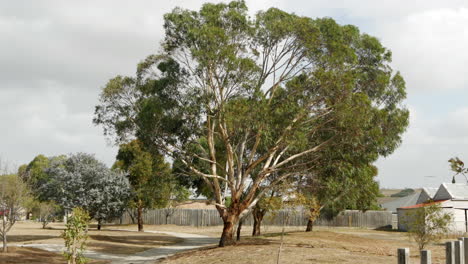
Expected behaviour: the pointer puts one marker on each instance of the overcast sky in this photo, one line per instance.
(55, 56)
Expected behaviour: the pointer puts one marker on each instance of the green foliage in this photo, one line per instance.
(458, 167)
(428, 224)
(75, 236)
(403, 193)
(35, 175)
(47, 212)
(149, 175)
(14, 194)
(245, 103)
(82, 181)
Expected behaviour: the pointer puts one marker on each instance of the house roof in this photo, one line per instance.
(453, 191)
(423, 204)
(409, 200)
(430, 191)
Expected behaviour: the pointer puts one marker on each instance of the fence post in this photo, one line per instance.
(450, 252)
(459, 252)
(426, 257)
(403, 256)
(465, 248)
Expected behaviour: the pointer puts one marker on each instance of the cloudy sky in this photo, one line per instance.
(55, 56)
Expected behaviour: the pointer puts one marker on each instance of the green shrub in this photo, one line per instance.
(75, 236)
(403, 193)
(428, 224)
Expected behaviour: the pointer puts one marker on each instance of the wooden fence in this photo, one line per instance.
(209, 217)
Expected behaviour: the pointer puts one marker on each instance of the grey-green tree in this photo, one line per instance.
(270, 92)
(82, 181)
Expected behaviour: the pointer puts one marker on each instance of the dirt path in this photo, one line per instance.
(190, 241)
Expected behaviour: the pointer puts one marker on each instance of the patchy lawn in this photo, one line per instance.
(25, 255)
(339, 245)
(104, 241)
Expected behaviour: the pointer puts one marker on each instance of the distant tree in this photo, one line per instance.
(403, 193)
(176, 194)
(82, 181)
(13, 193)
(428, 224)
(273, 201)
(34, 173)
(458, 167)
(75, 236)
(149, 176)
(35, 176)
(337, 186)
(47, 212)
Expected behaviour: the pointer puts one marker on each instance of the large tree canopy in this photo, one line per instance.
(246, 103)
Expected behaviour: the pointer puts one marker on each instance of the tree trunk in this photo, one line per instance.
(140, 216)
(227, 235)
(258, 217)
(5, 248)
(131, 213)
(230, 219)
(4, 232)
(239, 227)
(310, 225)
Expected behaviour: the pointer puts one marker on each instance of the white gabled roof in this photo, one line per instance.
(424, 197)
(430, 191)
(452, 191)
(409, 200)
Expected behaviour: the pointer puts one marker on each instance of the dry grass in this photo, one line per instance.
(105, 241)
(325, 245)
(338, 245)
(22, 255)
(126, 243)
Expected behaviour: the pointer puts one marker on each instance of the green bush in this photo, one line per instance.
(75, 236)
(428, 224)
(403, 193)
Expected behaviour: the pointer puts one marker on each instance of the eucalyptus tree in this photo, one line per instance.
(246, 103)
(149, 176)
(458, 166)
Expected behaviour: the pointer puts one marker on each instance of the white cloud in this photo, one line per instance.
(56, 55)
(427, 146)
(429, 48)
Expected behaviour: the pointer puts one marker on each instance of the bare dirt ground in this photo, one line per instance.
(324, 245)
(104, 241)
(22, 255)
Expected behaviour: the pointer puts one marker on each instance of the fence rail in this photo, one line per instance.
(209, 217)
